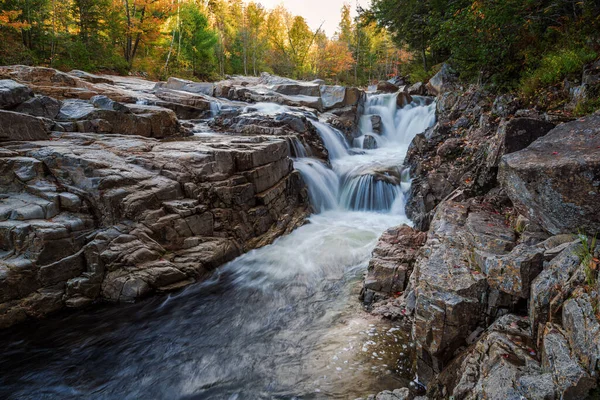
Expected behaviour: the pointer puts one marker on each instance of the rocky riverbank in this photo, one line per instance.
(113, 188)
(498, 279)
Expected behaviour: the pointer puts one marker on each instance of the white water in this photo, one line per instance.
(367, 180)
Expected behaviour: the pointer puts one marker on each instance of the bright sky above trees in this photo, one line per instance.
(317, 11)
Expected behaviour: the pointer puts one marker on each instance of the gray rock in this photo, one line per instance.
(205, 88)
(582, 330)
(332, 96)
(105, 103)
(40, 106)
(552, 282)
(369, 142)
(393, 261)
(12, 93)
(441, 82)
(571, 380)
(540, 179)
(376, 123)
(498, 366)
(21, 127)
(514, 135)
(417, 89)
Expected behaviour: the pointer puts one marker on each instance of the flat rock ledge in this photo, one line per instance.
(86, 217)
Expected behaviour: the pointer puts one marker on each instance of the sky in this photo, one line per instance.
(316, 11)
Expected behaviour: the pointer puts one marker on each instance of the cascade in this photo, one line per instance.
(366, 179)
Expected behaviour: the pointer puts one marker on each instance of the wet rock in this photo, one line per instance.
(21, 127)
(376, 123)
(12, 93)
(104, 103)
(333, 96)
(540, 179)
(205, 88)
(515, 135)
(418, 89)
(392, 262)
(403, 99)
(369, 142)
(140, 215)
(572, 381)
(40, 106)
(387, 87)
(442, 82)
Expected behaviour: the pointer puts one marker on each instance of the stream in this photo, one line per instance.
(280, 322)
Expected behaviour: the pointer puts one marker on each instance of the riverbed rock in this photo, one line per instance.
(392, 262)
(205, 88)
(147, 121)
(417, 89)
(540, 179)
(40, 106)
(21, 127)
(333, 96)
(387, 87)
(12, 93)
(87, 217)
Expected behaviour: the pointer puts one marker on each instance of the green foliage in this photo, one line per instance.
(198, 42)
(494, 42)
(586, 107)
(585, 252)
(555, 67)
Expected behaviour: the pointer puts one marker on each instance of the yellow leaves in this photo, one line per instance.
(8, 19)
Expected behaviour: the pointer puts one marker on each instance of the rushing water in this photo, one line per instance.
(281, 322)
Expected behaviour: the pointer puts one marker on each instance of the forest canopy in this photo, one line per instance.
(204, 39)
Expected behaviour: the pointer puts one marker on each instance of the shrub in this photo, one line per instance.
(556, 66)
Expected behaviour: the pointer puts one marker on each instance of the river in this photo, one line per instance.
(281, 322)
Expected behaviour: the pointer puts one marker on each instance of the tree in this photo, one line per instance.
(197, 41)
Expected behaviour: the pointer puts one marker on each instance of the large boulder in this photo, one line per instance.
(12, 93)
(555, 181)
(514, 135)
(333, 96)
(21, 127)
(443, 81)
(387, 87)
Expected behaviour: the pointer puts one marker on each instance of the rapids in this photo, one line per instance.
(281, 322)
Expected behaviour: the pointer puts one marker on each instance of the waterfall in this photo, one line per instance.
(333, 139)
(323, 184)
(368, 179)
